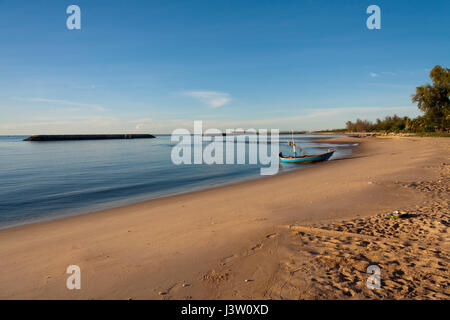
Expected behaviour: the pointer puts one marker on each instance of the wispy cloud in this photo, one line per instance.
(213, 99)
(77, 105)
(381, 74)
(313, 119)
(309, 119)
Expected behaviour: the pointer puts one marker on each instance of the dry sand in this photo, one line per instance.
(308, 234)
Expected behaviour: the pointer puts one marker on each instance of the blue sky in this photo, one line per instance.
(153, 66)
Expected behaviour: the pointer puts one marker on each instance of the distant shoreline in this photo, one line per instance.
(77, 137)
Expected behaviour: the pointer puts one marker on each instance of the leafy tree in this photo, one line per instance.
(434, 100)
(389, 124)
(359, 126)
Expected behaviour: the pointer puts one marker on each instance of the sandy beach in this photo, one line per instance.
(306, 234)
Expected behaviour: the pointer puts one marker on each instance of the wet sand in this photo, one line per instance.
(307, 234)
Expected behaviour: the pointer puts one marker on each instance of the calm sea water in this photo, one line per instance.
(45, 180)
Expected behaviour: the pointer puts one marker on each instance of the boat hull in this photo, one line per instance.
(308, 158)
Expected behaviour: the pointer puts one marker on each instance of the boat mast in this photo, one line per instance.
(293, 143)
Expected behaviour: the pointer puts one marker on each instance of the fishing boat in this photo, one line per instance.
(305, 158)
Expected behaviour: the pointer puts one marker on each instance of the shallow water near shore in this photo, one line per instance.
(47, 180)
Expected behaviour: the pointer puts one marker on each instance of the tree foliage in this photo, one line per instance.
(434, 99)
(391, 124)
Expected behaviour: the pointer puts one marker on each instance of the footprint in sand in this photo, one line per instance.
(256, 247)
(271, 235)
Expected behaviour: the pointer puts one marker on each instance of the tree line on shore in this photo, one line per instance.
(432, 99)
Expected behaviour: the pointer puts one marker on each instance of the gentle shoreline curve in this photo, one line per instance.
(149, 249)
(126, 202)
